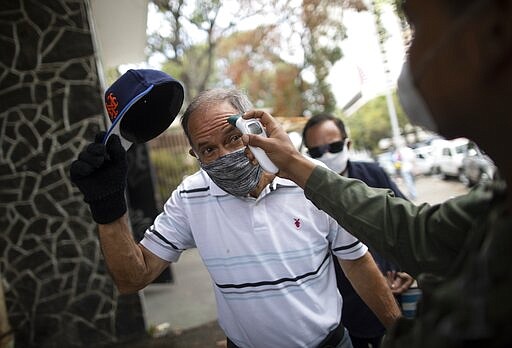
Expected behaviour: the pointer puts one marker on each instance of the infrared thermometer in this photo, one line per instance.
(253, 126)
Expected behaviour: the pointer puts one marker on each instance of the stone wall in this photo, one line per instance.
(58, 292)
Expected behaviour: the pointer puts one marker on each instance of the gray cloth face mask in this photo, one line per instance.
(234, 173)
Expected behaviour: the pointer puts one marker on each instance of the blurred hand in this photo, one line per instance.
(398, 281)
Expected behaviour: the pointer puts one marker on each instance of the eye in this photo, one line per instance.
(207, 151)
(235, 138)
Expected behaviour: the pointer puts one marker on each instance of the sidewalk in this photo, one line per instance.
(185, 309)
(186, 303)
(208, 335)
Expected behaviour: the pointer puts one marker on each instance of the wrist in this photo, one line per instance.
(299, 169)
(108, 209)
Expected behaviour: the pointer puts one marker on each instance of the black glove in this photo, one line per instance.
(100, 173)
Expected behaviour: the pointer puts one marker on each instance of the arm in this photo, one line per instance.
(131, 265)
(371, 286)
(418, 238)
(392, 185)
(100, 172)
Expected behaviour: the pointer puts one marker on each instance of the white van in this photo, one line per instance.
(448, 156)
(424, 162)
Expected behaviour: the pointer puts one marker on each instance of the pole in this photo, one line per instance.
(397, 138)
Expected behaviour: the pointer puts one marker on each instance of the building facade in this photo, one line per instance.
(58, 292)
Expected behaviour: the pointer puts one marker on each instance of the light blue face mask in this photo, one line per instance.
(234, 173)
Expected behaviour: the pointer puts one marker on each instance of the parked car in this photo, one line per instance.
(477, 166)
(424, 161)
(448, 156)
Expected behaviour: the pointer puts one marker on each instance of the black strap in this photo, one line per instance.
(331, 341)
(230, 343)
(333, 338)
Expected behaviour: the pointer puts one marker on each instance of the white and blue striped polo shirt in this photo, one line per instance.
(269, 258)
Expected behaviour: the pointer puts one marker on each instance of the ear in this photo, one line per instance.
(348, 144)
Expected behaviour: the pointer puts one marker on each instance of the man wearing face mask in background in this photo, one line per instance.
(326, 140)
(267, 248)
(457, 81)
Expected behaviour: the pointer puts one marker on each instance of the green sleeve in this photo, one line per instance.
(419, 238)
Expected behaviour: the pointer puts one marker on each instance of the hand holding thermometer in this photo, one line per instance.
(254, 126)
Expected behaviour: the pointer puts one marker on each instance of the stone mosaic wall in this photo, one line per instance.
(58, 292)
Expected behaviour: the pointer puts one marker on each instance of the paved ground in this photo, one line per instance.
(434, 190)
(186, 309)
(208, 335)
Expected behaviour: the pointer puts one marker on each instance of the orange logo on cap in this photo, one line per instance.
(112, 104)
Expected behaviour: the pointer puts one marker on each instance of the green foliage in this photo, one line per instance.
(253, 53)
(323, 31)
(191, 69)
(171, 166)
(399, 9)
(371, 123)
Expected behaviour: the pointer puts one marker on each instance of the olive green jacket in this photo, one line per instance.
(458, 250)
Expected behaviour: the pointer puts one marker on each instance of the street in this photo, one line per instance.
(433, 189)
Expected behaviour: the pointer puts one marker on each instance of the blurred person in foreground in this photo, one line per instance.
(326, 140)
(457, 81)
(268, 249)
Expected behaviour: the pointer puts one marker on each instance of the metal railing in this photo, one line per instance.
(171, 161)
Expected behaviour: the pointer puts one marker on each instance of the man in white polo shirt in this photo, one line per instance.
(266, 247)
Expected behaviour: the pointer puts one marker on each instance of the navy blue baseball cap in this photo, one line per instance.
(141, 104)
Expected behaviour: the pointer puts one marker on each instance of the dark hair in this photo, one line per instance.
(214, 96)
(321, 118)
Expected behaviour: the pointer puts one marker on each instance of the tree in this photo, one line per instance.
(252, 62)
(320, 38)
(370, 124)
(315, 26)
(190, 60)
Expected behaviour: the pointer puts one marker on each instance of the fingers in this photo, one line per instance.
(93, 155)
(80, 169)
(269, 122)
(398, 281)
(115, 149)
(254, 114)
(90, 159)
(406, 281)
(255, 140)
(390, 277)
(250, 156)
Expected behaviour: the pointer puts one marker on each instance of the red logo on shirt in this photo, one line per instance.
(297, 223)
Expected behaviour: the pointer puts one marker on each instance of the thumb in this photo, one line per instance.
(390, 276)
(115, 149)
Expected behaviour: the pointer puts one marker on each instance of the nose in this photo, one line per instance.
(223, 151)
